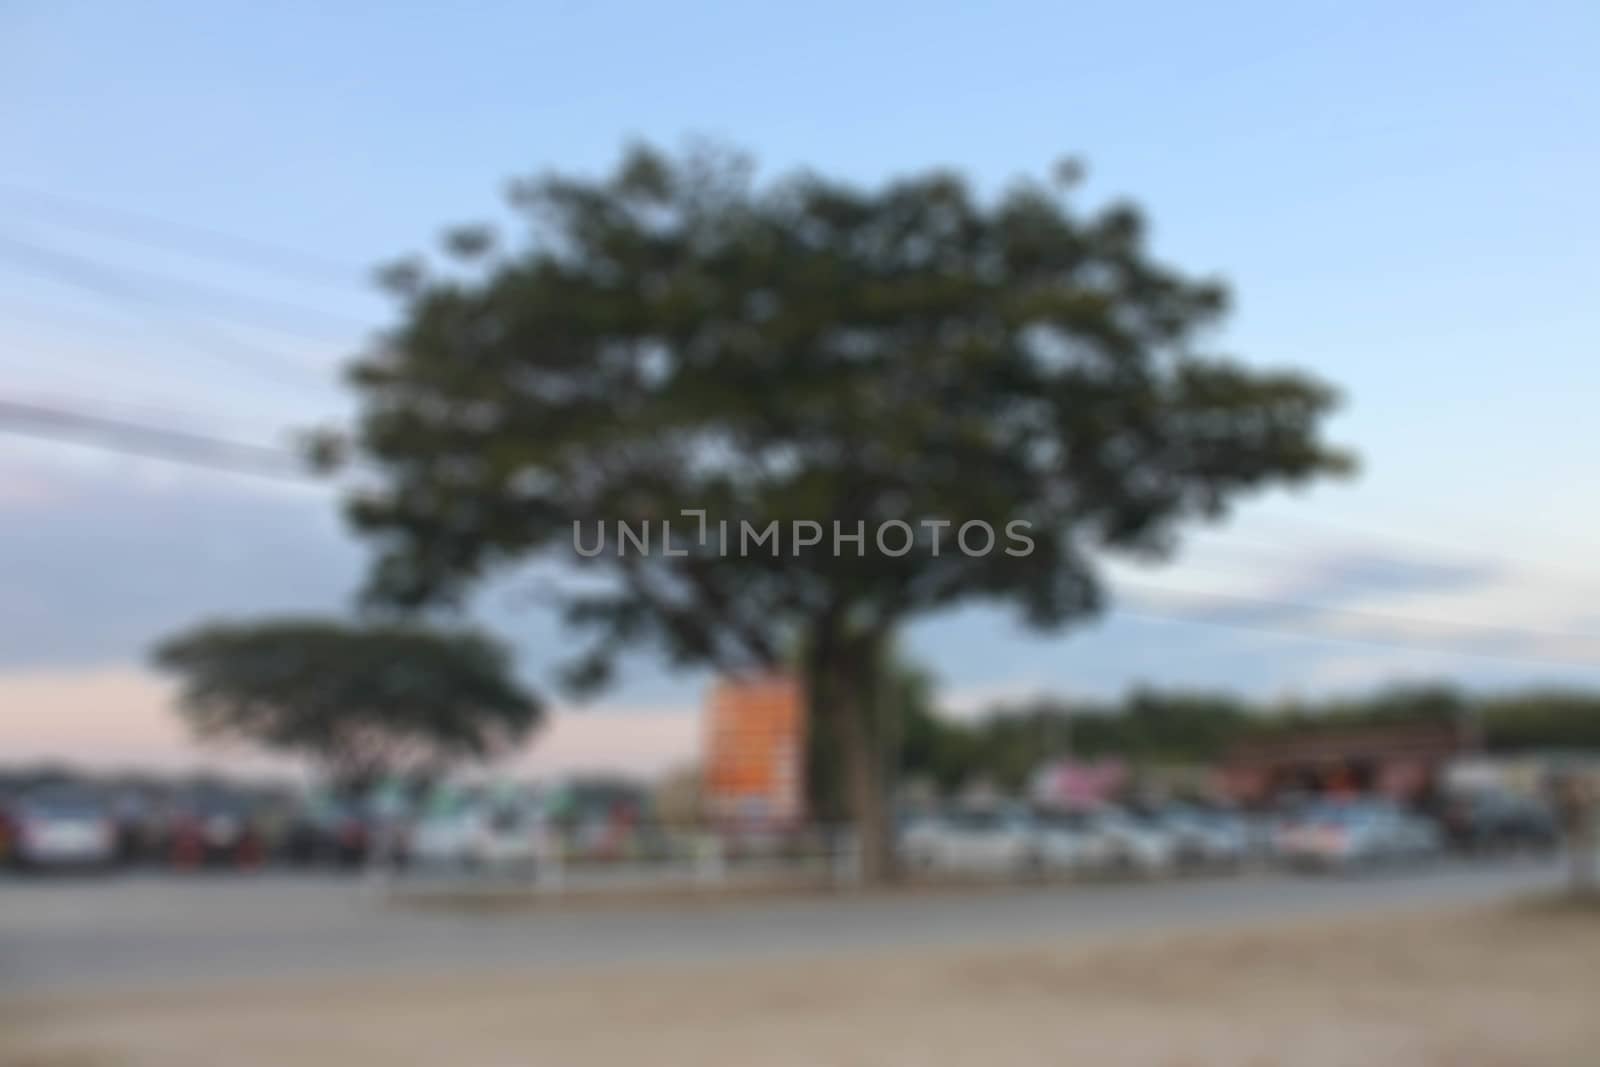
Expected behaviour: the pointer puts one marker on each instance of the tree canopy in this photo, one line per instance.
(362, 700)
(678, 336)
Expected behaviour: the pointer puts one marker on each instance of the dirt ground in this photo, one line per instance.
(1501, 988)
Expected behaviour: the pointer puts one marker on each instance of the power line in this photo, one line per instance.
(208, 341)
(52, 373)
(113, 401)
(181, 236)
(84, 270)
(139, 439)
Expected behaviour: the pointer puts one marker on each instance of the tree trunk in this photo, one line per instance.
(861, 736)
(844, 695)
(861, 752)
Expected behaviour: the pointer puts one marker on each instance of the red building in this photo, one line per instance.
(1406, 762)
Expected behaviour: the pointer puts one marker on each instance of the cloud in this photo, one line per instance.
(1349, 576)
(104, 564)
(1341, 580)
(113, 558)
(1344, 594)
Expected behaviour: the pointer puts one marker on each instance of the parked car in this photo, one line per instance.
(60, 826)
(998, 840)
(141, 819)
(1486, 822)
(390, 810)
(478, 834)
(1264, 831)
(1203, 837)
(8, 825)
(213, 827)
(1073, 840)
(334, 830)
(279, 817)
(1357, 833)
(1137, 842)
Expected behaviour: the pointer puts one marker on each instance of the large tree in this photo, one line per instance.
(679, 336)
(360, 700)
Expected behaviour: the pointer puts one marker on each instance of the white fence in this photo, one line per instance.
(681, 861)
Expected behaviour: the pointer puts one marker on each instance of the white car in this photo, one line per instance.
(1206, 838)
(1073, 841)
(988, 841)
(482, 834)
(1417, 837)
(1345, 835)
(1137, 843)
(62, 826)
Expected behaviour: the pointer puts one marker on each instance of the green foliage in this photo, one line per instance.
(1549, 719)
(363, 700)
(1005, 745)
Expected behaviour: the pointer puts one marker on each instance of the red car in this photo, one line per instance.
(213, 829)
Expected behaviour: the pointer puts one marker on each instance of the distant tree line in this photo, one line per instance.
(1151, 726)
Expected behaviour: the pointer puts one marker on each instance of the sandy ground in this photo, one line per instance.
(1471, 989)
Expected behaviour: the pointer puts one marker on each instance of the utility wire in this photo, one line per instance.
(139, 439)
(181, 236)
(257, 312)
(57, 374)
(209, 341)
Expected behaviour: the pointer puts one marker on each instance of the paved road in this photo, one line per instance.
(73, 935)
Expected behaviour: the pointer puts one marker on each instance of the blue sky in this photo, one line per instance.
(1402, 199)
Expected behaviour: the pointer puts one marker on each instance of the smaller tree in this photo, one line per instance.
(361, 700)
